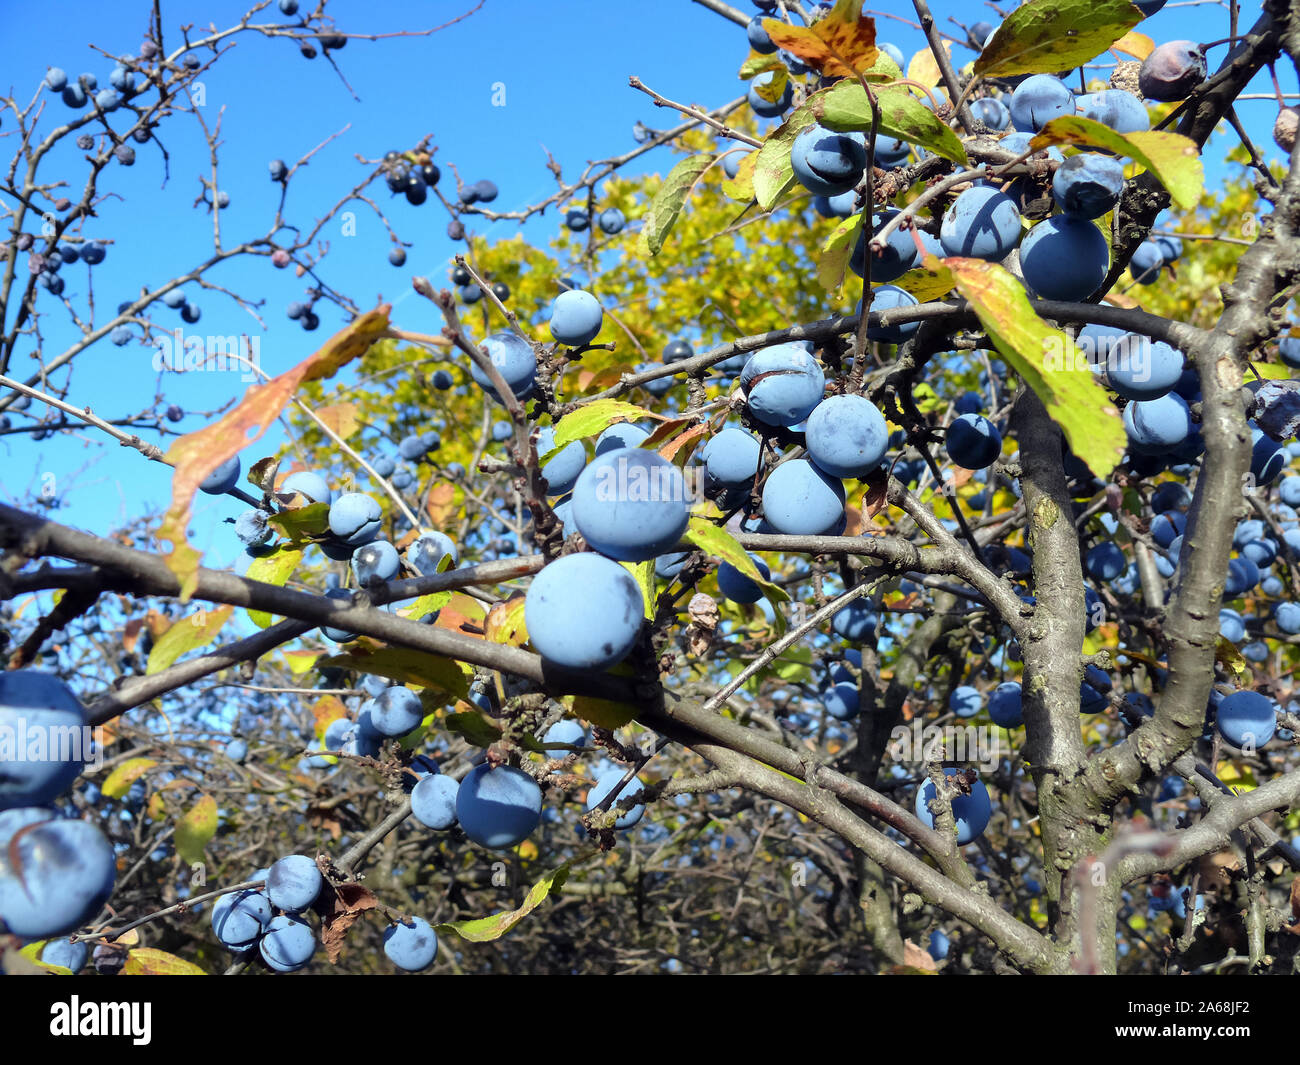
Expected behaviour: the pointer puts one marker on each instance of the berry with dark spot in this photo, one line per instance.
(1172, 71)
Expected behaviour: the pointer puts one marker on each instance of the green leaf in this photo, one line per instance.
(844, 106)
(195, 829)
(486, 929)
(794, 663)
(476, 728)
(837, 251)
(664, 209)
(427, 604)
(1237, 776)
(405, 666)
(302, 523)
(772, 171)
(603, 712)
(925, 284)
(716, 542)
(275, 568)
(594, 418)
(883, 71)
(741, 188)
(1046, 36)
(757, 64)
(927, 400)
(1170, 157)
(123, 776)
(791, 186)
(1046, 358)
(197, 630)
(1271, 371)
(644, 572)
(774, 88)
(775, 596)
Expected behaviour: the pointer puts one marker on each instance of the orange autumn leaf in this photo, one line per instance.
(131, 633)
(665, 431)
(325, 711)
(196, 455)
(959, 476)
(462, 614)
(588, 379)
(441, 502)
(916, 957)
(670, 449)
(505, 622)
(341, 418)
(157, 623)
(854, 525)
(107, 735)
(841, 44)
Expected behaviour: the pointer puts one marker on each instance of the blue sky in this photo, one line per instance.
(564, 66)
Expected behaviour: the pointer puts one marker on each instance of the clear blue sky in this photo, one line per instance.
(564, 65)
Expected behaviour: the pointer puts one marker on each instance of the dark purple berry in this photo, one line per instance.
(1172, 71)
